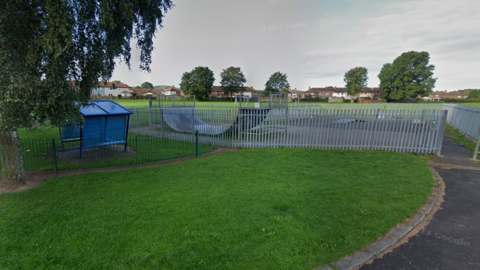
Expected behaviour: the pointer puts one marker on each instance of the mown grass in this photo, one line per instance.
(249, 209)
(38, 156)
(458, 137)
(470, 104)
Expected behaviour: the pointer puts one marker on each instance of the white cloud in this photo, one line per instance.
(328, 38)
(446, 29)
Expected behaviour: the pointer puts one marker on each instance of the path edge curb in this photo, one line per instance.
(396, 236)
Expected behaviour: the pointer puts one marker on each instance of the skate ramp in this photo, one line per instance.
(188, 120)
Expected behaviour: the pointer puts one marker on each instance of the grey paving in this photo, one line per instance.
(452, 239)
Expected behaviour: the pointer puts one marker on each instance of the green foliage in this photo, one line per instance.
(277, 83)
(233, 80)
(311, 208)
(198, 82)
(117, 81)
(356, 80)
(408, 76)
(53, 53)
(147, 85)
(474, 94)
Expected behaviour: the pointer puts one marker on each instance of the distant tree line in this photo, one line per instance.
(199, 82)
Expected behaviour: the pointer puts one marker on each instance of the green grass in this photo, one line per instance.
(470, 104)
(37, 151)
(458, 137)
(250, 209)
(39, 133)
(132, 103)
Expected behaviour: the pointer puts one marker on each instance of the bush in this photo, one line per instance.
(454, 100)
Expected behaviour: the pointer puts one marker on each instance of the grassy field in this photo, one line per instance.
(470, 104)
(249, 209)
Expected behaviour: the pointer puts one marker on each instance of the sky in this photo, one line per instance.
(315, 42)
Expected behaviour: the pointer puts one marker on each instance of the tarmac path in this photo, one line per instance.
(452, 239)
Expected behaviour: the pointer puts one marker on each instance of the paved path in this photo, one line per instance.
(452, 239)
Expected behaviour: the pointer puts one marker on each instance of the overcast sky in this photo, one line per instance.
(313, 41)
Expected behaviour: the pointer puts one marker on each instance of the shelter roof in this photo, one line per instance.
(103, 108)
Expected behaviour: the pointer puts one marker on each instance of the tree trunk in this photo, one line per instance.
(13, 173)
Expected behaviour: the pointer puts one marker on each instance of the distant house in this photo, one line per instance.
(172, 91)
(250, 92)
(441, 95)
(110, 89)
(369, 93)
(127, 93)
(145, 92)
(337, 92)
(325, 92)
(218, 91)
(294, 93)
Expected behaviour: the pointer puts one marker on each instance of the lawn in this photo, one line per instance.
(249, 209)
(470, 104)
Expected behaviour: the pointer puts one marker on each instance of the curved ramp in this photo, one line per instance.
(188, 120)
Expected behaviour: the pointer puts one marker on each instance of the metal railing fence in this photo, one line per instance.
(466, 120)
(159, 134)
(47, 155)
(414, 130)
(418, 131)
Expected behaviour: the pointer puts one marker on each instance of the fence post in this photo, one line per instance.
(196, 143)
(136, 149)
(374, 129)
(138, 127)
(161, 122)
(285, 140)
(441, 131)
(54, 150)
(477, 146)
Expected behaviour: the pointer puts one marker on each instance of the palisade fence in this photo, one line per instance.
(466, 120)
(165, 133)
(414, 130)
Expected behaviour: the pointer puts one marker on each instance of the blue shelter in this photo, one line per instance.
(106, 123)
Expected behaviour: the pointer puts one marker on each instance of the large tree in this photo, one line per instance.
(277, 83)
(233, 80)
(356, 80)
(409, 76)
(198, 82)
(147, 85)
(53, 52)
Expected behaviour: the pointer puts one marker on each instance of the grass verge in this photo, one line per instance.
(458, 137)
(250, 209)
